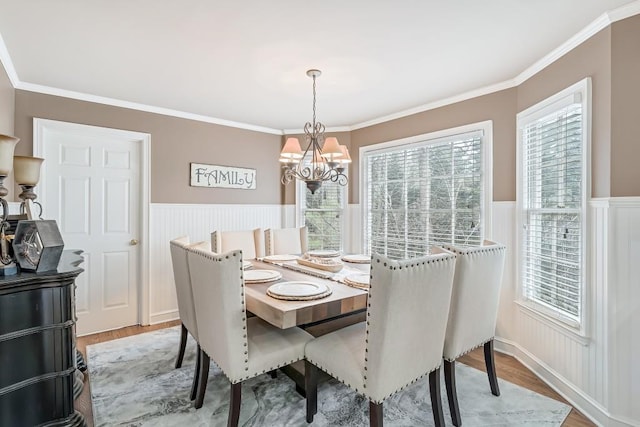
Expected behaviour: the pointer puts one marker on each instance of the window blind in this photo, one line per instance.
(422, 194)
(552, 209)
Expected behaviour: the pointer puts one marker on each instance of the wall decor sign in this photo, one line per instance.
(222, 176)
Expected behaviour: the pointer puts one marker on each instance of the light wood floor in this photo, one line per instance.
(508, 368)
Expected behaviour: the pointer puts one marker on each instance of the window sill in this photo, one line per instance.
(565, 329)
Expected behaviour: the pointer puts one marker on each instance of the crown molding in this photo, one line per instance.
(590, 30)
(437, 104)
(587, 32)
(6, 61)
(141, 107)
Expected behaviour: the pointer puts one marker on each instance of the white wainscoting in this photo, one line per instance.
(168, 221)
(624, 310)
(598, 375)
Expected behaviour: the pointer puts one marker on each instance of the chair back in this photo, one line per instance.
(406, 320)
(475, 297)
(250, 242)
(282, 241)
(218, 292)
(182, 281)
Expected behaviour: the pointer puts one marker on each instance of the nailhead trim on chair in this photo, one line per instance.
(462, 353)
(407, 264)
(244, 320)
(470, 252)
(268, 243)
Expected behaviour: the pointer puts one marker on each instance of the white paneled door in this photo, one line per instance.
(92, 186)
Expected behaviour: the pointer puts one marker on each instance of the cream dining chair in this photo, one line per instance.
(473, 313)
(186, 310)
(283, 241)
(250, 242)
(401, 340)
(242, 347)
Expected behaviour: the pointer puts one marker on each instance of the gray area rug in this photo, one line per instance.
(134, 383)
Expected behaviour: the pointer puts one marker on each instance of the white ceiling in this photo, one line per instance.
(245, 61)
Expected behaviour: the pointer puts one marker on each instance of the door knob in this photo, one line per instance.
(133, 242)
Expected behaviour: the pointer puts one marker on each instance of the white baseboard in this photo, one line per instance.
(583, 403)
(164, 316)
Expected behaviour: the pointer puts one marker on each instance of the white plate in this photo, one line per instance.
(258, 276)
(280, 258)
(298, 289)
(359, 278)
(324, 253)
(357, 259)
(246, 265)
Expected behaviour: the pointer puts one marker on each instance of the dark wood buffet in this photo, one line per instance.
(38, 375)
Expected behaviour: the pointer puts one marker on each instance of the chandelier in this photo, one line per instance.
(315, 165)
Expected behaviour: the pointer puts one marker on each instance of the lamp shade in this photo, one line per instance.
(7, 146)
(26, 170)
(331, 149)
(291, 149)
(346, 158)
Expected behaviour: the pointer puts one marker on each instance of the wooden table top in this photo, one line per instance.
(286, 314)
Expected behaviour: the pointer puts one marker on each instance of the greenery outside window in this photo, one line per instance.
(323, 213)
(426, 190)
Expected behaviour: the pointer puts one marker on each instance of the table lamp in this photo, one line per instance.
(7, 146)
(26, 172)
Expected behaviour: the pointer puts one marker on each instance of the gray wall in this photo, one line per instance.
(175, 142)
(7, 103)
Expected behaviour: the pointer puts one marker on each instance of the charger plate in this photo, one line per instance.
(280, 258)
(246, 265)
(261, 276)
(324, 253)
(357, 259)
(360, 280)
(298, 291)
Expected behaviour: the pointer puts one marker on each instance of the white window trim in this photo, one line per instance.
(301, 187)
(486, 127)
(578, 92)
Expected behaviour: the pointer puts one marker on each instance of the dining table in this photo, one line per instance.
(344, 306)
(344, 300)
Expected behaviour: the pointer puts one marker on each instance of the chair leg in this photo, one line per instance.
(452, 394)
(234, 404)
(183, 344)
(375, 414)
(490, 363)
(203, 376)
(311, 389)
(194, 384)
(436, 400)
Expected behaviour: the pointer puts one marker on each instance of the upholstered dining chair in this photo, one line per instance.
(473, 313)
(401, 340)
(186, 310)
(242, 347)
(251, 242)
(283, 241)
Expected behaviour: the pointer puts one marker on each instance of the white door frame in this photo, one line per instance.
(41, 125)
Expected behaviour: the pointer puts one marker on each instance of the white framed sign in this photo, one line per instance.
(222, 176)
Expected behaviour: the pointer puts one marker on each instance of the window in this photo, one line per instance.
(426, 190)
(323, 214)
(553, 147)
